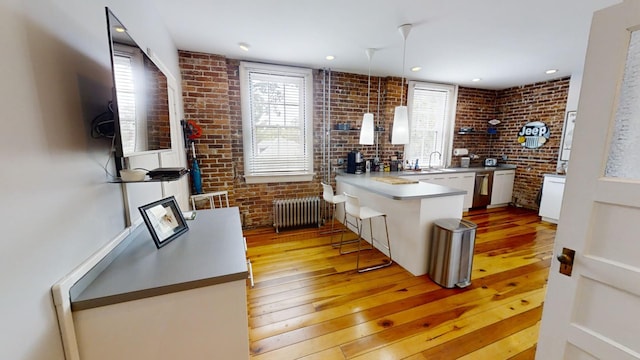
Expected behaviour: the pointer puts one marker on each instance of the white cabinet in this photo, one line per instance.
(466, 182)
(502, 189)
(552, 191)
(462, 181)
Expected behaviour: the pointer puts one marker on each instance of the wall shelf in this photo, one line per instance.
(147, 180)
(475, 133)
(351, 130)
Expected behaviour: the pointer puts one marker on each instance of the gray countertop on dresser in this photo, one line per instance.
(211, 252)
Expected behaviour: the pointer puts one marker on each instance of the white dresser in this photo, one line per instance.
(184, 301)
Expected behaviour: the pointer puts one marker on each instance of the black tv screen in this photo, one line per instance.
(140, 95)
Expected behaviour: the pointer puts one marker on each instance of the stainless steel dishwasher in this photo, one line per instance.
(482, 189)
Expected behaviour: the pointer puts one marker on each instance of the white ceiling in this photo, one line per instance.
(506, 43)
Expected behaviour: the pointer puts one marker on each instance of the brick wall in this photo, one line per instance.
(158, 123)
(474, 109)
(514, 107)
(546, 102)
(212, 99)
(206, 97)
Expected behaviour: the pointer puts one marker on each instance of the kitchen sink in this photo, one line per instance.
(437, 170)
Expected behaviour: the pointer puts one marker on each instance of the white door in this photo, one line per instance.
(595, 313)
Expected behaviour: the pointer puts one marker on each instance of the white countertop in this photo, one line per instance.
(419, 190)
(456, 170)
(556, 175)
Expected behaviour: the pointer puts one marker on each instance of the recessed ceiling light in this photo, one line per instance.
(551, 71)
(476, 79)
(244, 46)
(120, 29)
(416, 68)
(330, 57)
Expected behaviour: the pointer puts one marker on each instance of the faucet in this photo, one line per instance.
(434, 152)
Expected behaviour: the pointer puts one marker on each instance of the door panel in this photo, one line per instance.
(611, 221)
(577, 354)
(615, 322)
(624, 155)
(595, 312)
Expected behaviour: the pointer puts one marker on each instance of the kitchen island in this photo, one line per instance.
(411, 209)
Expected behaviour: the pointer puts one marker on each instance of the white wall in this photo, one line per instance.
(575, 84)
(57, 208)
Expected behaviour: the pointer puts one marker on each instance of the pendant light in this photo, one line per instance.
(366, 130)
(400, 130)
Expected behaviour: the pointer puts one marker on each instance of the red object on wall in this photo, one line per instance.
(196, 130)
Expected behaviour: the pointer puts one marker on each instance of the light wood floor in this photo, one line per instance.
(309, 303)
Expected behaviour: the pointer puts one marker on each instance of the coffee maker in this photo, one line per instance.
(355, 163)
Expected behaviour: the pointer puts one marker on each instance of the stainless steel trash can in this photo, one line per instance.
(451, 256)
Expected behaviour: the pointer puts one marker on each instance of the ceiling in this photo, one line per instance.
(505, 43)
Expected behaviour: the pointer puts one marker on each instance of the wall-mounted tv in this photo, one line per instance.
(140, 96)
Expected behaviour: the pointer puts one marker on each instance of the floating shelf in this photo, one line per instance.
(475, 133)
(147, 180)
(341, 130)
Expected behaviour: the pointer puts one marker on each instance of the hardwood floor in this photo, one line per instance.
(309, 303)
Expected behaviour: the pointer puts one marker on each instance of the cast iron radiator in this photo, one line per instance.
(296, 212)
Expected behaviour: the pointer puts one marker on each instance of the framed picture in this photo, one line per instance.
(164, 220)
(567, 136)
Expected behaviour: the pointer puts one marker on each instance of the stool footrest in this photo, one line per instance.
(375, 267)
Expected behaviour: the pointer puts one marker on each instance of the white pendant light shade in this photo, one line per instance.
(367, 128)
(400, 130)
(366, 131)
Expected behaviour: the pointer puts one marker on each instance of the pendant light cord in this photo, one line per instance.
(404, 54)
(369, 84)
(404, 31)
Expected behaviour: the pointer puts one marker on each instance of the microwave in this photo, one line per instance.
(490, 162)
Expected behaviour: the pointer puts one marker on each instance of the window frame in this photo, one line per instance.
(247, 128)
(449, 127)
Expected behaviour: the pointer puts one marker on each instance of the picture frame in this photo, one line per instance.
(164, 220)
(567, 135)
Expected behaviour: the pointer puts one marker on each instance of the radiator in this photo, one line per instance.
(296, 212)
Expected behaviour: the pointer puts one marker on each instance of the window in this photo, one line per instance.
(127, 65)
(431, 120)
(277, 116)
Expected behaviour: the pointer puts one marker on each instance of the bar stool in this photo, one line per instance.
(361, 213)
(329, 197)
(212, 197)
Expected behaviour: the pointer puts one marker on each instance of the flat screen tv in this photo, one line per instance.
(140, 101)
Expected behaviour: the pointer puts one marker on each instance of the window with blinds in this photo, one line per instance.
(431, 121)
(129, 75)
(277, 122)
(126, 97)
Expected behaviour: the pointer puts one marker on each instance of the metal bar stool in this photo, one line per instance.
(329, 197)
(361, 213)
(212, 197)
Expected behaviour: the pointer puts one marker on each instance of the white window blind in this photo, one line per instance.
(126, 97)
(431, 120)
(277, 120)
